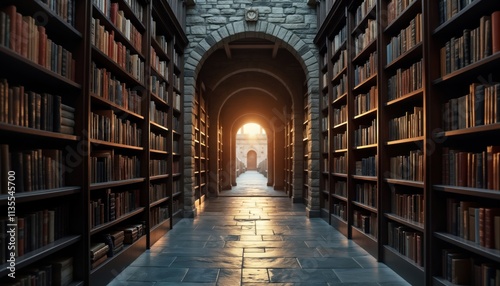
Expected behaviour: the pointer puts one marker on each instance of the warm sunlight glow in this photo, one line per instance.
(251, 128)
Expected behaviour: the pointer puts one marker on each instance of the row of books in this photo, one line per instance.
(108, 126)
(21, 34)
(112, 205)
(157, 192)
(408, 38)
(396, 7)
(176, 81)
(158, 116)
(34, 169)
(176, 187)
(366, 194)
(363, 9)
(176, 167)
(473, 222)
(366, 135)
(362, 40)
(472, 169)
(367, 223)
(460, 268)
(176, 145)
(366, 102)
(161, 40)
(105, 85)
(365, 71)
(177, 58)
(177, 104)
(339, 39)
(340, 88)
(42, 111)
(158, 167)
(366, 167)
(340, 210)
(473, 45)
(125, 26)
(339, 115)
(405, 81)
(409, 206)
(326, 144)
(34, 230)
(158, 215)
(105, 41)
(340, 141)
(340, 64)
(106, 166)
(410, 125)
(324, 123)
(478, 107)
(157, 142)
(340, 188)
(339, 165)
(408, 167)
(159, 88)
(64, 8)
(58, 272)
(158, 65)
(406, 241)
(449, 8)
(135, 5)
(325, 164)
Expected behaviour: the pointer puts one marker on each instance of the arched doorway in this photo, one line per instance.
(256, 73)
(252, 160)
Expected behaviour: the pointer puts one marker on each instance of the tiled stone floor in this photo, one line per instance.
(255, 241)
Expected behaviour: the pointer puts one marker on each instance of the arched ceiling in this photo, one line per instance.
(251, 76)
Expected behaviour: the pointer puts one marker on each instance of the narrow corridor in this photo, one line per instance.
(255, 241)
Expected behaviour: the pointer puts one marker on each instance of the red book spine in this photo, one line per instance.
(495, 31)
(42, 60)
(113, 12)
(24, 36)
(16, 37)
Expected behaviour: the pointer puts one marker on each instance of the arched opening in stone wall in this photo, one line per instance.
(264, 74)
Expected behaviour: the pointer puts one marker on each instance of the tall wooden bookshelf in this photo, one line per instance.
(93, 136)
(201, 146)
(289, 158)
(362, 123)
(468, 183)
(306, 142)
(434, 100)
(402, 99)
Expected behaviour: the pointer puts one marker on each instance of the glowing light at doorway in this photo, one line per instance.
(251, 129)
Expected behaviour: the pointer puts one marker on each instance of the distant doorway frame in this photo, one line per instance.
(252, 160)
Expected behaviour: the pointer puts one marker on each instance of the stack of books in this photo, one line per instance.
(98, 253)
(62, 271)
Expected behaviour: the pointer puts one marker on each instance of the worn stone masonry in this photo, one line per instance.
(210, 23)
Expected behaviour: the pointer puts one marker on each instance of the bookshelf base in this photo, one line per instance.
(411, 272)
(339, 225)
(325, 215)
(158, 231)
(116, 264)
(365, 241)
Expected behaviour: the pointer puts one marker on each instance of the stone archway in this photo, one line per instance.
(305, 55)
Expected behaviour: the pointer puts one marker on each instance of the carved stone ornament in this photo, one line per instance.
(251, 15)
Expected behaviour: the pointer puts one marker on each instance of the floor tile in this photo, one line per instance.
(254, 275)
(272, 262)
(201, 275)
